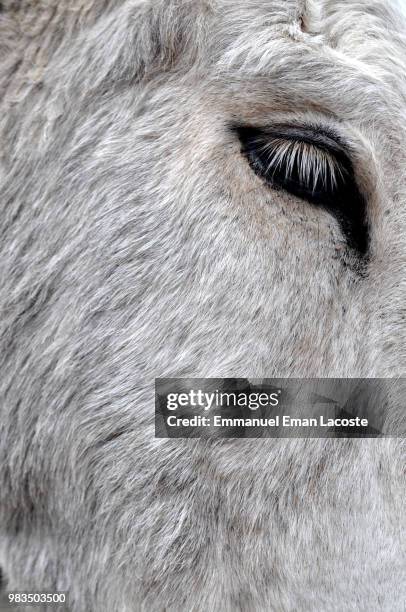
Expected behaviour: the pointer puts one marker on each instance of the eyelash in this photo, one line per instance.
(313, 166)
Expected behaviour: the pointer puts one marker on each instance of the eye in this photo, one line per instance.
(313, 165)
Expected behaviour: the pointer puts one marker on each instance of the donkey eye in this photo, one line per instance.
(312, 165)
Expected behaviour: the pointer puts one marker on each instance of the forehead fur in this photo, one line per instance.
(140, 36)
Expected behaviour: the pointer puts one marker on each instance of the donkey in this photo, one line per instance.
(198, 188)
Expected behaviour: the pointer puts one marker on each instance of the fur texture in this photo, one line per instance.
(137, 242)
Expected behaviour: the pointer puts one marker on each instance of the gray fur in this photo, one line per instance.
(136, 242)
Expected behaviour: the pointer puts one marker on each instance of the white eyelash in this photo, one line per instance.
(316, 166)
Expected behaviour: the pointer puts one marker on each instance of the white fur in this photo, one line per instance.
(136, 242)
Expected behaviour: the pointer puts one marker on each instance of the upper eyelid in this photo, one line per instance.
(318, 137)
